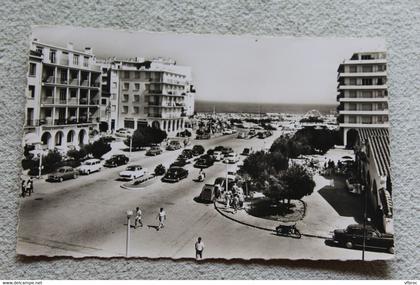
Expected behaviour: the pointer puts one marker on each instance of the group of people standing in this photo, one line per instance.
(27, 187)
(161, 217)
(233, 198)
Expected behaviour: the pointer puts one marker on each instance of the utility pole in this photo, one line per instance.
(127, 242)
(364, 224)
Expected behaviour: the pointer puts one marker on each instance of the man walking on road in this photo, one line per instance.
(199, 247)
(162, 217)
(138, 218)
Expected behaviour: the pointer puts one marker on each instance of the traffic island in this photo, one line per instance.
(140, 183)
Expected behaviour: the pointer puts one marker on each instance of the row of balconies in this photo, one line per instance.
(51, 79)
(166, 115)
(69, 101)
(80, 64)
(61, 122)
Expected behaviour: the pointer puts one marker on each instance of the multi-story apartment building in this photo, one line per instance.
(156, 93)
(363, 96)
(63, 95)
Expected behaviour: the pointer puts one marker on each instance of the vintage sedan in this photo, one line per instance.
(153, 151)
(63, 173)
(175, 174)
(89, 166)
(231, 158)
(132, 172)
(353, 235)
(116, 160)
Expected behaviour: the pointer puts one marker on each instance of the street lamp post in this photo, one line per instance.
(127, 242)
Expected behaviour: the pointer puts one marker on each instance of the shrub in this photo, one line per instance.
(99, 148)
(198, 149)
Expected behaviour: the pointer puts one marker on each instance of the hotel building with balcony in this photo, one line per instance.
(363, 95)
(63, 93)
(156, 93)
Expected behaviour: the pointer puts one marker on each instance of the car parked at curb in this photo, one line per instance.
(132, 172)
(89, 166)
(124, 133)
(174, 145)
(352, 237)
(116, 160)
(246, 152)
(153, 151)
(204, 161)
(218, 155)
(175, 174)
(63, 173)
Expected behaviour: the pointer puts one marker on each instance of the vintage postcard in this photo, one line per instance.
(157, 145)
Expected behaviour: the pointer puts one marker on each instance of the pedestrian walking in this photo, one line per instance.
(138, 217)
(162, 217)
(235, 203)
(30, 186)
(199, 247)
(23, 194)
(228, 197)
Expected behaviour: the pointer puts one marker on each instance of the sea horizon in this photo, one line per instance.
(254, 107)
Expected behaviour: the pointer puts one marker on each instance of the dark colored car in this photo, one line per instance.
(116, 160)
(204, 136)
(227, 150)
(179, 162)
(246, 151)
(187, 153)
(352, 237)
(204, 161)
(63, 173)
(153, 151)
(198, 149)
(175, 174)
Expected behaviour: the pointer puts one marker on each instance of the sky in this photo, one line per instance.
(231, 68)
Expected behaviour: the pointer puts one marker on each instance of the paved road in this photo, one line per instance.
(86, 217)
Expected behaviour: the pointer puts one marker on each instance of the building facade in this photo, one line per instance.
(156, 93)
(363, 95)
(63, 94)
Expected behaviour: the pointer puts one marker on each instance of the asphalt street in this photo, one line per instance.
(87, 217)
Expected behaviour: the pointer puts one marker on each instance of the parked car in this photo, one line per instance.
(179, 162)
(231, 158)
(198, 149)
(246, 151)
(175, 174)
(153, 151)
(241, 135)
(218, 155)
(116, 160)
(353, 186)
(123, 132)
(352, 237)
(89, 166)
(174, 145)
(204, 136)
(208, 194)
(132, 172)
(188, 153)
(204, 161)
(227, 132)
(226, 151)
(63, 173)
(252, 132)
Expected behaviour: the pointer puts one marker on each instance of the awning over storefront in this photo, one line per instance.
(378, 143)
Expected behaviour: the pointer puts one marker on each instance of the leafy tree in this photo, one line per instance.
(198, 149)
(99, 148)
(52, 160)
(146, 136)
(77, 154)
(260, 165)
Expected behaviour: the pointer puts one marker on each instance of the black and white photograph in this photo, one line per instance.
(164, 145)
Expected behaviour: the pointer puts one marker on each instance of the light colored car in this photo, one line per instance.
(241, 135)
(124, 133)
(231, 158)
(89, 166)
(132, 172)
(227, 132)
(218, 155)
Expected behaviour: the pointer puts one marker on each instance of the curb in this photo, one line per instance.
(136, 188)
(258, 227)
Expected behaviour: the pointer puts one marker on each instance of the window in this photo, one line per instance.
(126, 86)
(76, 59)
(73, 93)
(366, 81)
(126, 74)
(137, 75)
(352, 94)
(125, 110)
(52, 56)
(39, 50)
(85, 61)
(135, 110)
(136, 86)
(125, 98)
(367, 68)
(31, 91)
(32, 69)
(352, 119)
(352, 68)
(136, 98)
(113, 108)
(366, 56)
(48, 92)
(114, 84)
(103, 101)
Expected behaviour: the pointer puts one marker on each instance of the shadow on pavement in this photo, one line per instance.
(343, 202)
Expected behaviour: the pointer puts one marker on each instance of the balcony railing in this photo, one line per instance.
(47, 100)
